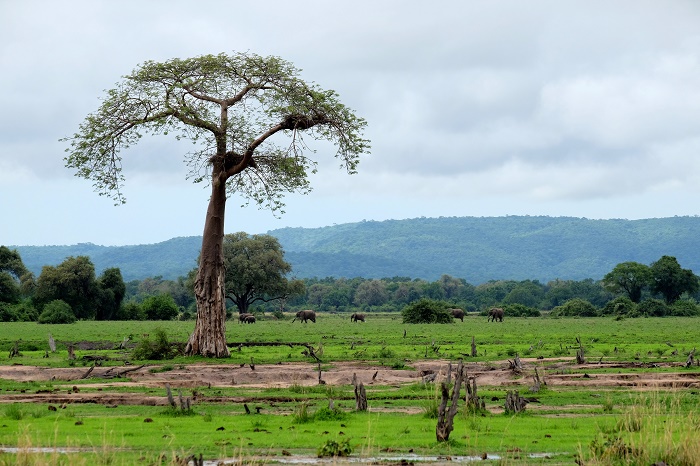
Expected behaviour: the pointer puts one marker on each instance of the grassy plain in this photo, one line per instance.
(575, 415)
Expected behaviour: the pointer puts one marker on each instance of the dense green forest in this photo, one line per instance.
(476, 249)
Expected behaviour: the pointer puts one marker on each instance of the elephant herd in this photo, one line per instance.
(495, 314)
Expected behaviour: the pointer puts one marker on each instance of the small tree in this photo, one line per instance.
(670, 281)
(160, 307)
(57, 312)
(248, 113)
(256, 271)
(427, 311)
(630, 278)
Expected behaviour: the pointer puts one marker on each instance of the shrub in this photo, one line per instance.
(160, 307)
(130, 311)
(57, 312)
(684, 308)
(427, 311)
(575, 307)
(520, 310)
(327, 414)
(154, 350)
(653, 308)
(332, 448)
(620, 306)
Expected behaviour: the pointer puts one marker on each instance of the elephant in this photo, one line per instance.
(496, 313)
(457, 314)
(250, 319)
(242, 317)
(357, 317)
(303, 316)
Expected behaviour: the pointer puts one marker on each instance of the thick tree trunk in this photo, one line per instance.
(209, 336)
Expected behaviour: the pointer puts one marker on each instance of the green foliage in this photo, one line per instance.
(684, 308)
(57, 312)
(520, 310)
(630, 278)
(575, 307)
(131, 311)
(620, 306)
(653, 308)
(332, 448)
(326, 414)
(427, 311)
(160, 307)
(159, 349)
(72, 281)
(256, 270)
(670, 280)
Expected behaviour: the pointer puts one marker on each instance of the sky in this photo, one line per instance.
(478, 108)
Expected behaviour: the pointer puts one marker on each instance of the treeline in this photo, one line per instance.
(71, 291)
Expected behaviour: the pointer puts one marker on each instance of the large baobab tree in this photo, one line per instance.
(246, 115)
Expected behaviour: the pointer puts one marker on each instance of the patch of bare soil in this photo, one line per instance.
(561, 372)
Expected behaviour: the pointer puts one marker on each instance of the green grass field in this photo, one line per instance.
(593, 423)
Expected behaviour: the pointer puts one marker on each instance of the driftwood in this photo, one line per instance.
(446, 414)
(309, 347)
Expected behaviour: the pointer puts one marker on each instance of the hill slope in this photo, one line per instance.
(477, 249)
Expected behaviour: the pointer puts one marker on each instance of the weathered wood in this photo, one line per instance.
(89, 371)
(474, 401)
(360, 394)
(473, 347)
(691, 356)
(52, 343)
(514, 402)
(445, 423)
(171, 400)
(580, 354)
(71, 353)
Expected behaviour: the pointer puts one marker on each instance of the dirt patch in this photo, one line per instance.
(562, 372)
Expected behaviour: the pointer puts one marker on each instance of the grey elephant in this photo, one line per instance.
(250, 319)
(495, 314)
(242, 317)
(457, 314)
(306, 315)
(357, 317)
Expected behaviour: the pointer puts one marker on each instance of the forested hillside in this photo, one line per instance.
(477, 249)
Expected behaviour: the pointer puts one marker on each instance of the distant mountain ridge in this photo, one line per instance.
(477, 249)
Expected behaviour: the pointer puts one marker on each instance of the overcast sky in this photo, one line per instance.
(474, 108)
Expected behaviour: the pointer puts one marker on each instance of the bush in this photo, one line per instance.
(620, 306)
(520, 310)
(653, 308)
(57, 312)
(154, 350)
(130, 311)
(332, 448)
(684, 309)
(160, 307)
(427, 311)
(576, 307)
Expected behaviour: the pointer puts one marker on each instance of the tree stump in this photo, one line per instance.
(473, 348)
(514, 402)
(446, 415)
(474, 402)
(580, 356)
(360, 397)
(52, 344)
(691, 356)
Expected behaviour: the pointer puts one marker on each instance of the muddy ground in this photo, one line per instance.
(562, 372)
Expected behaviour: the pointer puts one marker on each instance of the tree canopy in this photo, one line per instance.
(246, 115)
(256, 270)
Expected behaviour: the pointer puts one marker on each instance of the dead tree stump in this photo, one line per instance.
(474, 402)
(14, 351)
(473, 347)
(52, 343)
(691, 356)
(446, 414)
(580, 356)
(514, 402)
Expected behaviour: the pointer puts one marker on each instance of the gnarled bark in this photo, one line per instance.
(209, 336)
